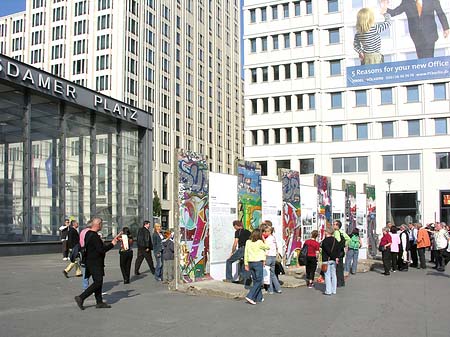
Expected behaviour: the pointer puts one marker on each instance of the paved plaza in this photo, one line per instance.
(37, 300)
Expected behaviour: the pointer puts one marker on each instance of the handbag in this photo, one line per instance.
(381, 248)
(324, 267)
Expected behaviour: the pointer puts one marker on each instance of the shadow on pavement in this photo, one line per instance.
(109, 285)
(437, 273)
(116, 296)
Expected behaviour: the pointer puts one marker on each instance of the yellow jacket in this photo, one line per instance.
(255, 251)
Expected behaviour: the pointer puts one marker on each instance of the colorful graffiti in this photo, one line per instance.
(323, 185)
(249, 194)
(193, 220)
(371, 219)
(350, 204)
(291, 214)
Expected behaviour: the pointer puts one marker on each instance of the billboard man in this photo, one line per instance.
(421, 23)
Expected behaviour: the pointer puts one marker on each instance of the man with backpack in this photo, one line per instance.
(342, 239)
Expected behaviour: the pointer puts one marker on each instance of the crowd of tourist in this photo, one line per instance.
(86, 252)
(405, 247)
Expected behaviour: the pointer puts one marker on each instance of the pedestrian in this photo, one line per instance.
(73, 244)
(423, 242)
(126, 254)
(311, 258)
(168, 255)
(95, 264)
(403, 259)
(64, 232)
(385, 248)
(330, 258)
(442, 239)
(241, 236)
(144, 244)
(271, 257)
(157, 238)
(351, 258)
(342, 239)
(254, 259)
(413, 245)
(395, 248)
(85, 281)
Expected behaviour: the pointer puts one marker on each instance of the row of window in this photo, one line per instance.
(285, 12)
(281, 72)
(308, 36)
(289, 135)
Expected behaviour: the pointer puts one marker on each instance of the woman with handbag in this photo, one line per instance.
(330, 257)
(311, 257)
(271, 258)
(126, 254)
(385, 248)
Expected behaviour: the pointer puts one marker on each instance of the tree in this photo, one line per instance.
(156, 204)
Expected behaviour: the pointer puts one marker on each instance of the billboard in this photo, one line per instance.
(394, 41)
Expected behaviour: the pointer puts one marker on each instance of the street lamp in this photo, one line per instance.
(389, 182)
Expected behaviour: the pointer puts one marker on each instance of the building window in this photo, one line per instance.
(335, 67)
(264, 43)
(361, 98)
(336, 133)
(299, 102)
(276, 73)
(254, 137)
(311, 68)
(362, 131)
(252, 15)
(287, 71)
(287, 42)
(254, 75)
(253, 45)
(254, 107)
(297, 8)
(442, 160)
(275, 12)
(298, 39)
(387, 129)
(386, 95)
(277, 136)
(288, 103)
(276, 104)
(288, 135)
(307, 166)
(309, 38)
(265, 74)
(309, 8)
(301, 135)
(265, 105)
(439, 91)
(312, 101)
(414, 128)
(312, 134)
(336, 100)
(101, 179)
(333, 6)
(412, 93)
(350, 164)
(263, 14)
(440, 126)
(334, 36)
(298, 67)
(265, 136)
(275, 42)
(401, 162)
(286, 10)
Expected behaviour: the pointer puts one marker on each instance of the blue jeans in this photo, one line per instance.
(330, 278)
(85, 280)
(256, 270)
(351, 258)
(236, 256)
(274, 284)
(158, 268)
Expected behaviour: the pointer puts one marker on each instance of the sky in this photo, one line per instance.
(11, 6)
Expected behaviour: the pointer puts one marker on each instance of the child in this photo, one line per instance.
(254, 258)
(168, 256)
(367, 41)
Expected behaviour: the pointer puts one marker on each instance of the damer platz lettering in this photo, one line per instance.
(402, 71)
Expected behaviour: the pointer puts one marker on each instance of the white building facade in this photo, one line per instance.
(179, 60)
(300, 114)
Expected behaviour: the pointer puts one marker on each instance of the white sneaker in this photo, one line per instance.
(65, 258)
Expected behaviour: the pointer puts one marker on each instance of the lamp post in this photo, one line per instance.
(389, 182)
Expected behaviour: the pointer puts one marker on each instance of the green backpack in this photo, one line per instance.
(354, 242)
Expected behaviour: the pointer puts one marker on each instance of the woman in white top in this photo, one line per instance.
(271, 258)
(395, 247)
